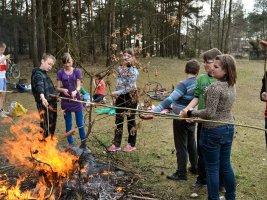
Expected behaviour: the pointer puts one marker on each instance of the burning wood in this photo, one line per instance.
(52, 174)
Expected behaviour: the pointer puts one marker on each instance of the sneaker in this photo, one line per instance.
(198, 185)
(222, 189)
(113, 148)
(129, 148)
(176, 177)
(2, 114)
(5, 112)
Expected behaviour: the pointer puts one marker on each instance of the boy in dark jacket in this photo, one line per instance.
(42, 87)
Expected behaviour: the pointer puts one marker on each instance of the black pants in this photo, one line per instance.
(98, 97)
(185, 145)
(201, 166)
(47, 119)
(125, 100)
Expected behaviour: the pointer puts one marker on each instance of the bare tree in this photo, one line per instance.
(210, 23)
(34, 34)
(41, 31)
(226, 41)
(49, 26)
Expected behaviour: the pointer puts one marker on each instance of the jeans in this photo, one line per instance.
(216, 144)
(79, 123)
(185, 145)
(266, 132)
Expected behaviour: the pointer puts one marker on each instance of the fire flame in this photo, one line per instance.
(25, 149)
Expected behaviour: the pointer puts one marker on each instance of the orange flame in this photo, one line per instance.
(25, 150)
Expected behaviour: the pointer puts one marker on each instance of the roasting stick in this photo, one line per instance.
(169, 115)
(8, 91)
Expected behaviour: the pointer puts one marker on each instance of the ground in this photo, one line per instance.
(155, 157)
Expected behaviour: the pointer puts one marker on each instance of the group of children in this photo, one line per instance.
(213, 92)
(69, 81)
(68, 85)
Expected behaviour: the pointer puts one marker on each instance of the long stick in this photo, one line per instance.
(172, 116)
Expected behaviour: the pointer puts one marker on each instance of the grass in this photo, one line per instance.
(156, 158)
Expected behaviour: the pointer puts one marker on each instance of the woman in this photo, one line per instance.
(215, 138)
(126, 97)
(69, 84)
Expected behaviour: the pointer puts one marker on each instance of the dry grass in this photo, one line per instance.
(155, 157)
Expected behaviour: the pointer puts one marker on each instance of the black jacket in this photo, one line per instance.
(42, 83)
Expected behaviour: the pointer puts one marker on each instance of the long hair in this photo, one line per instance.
(229, 66)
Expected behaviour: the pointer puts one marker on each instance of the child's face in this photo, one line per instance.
(69, 62)
(127, 58)
(209, 65)
(2, 50)
(47, 64)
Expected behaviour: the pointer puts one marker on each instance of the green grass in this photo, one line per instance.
(156, 158)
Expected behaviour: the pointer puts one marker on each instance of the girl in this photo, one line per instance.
(69, 84)
(125, 94)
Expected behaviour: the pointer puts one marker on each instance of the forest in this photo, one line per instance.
(162, 28)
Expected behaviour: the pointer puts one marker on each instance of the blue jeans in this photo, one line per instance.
(266, 132)
(79, 123)
(216, 144)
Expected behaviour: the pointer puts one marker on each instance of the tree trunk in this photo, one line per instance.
(58, 22)
(29, 29)
(49, 28)
(210, 23)
(70, 21)
(79, 25)
(15, 32)
(223, 25)
(41, 32)
(34, 35)
(110, 28)
(226, 44)
(219, 25)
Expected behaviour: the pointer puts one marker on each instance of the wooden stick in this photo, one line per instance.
(166, 115)
(141, 197)
(8, 91)
(71, 132)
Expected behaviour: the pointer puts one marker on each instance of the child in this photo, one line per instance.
(42, 86)
(3, 68)
(69, 84)
(184, 132)
(100, 89)
(125, 94)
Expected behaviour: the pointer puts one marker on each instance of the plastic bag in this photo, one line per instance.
(17, 109)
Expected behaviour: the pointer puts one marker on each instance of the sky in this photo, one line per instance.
(248, 5)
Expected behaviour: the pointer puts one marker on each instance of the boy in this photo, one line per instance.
(184, 132)
(3, 68)
(42, 86)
